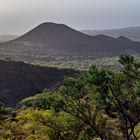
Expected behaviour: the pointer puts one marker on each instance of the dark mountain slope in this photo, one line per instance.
(61, 37)
(56, 36)
(51, 32)
(19, 80)
(51, 42)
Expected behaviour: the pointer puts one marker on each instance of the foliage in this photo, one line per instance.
(100, 104)
(4, 111)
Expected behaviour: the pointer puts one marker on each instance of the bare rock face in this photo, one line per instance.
(19, 80)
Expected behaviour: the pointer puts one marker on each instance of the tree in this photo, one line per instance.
(117, 93)
(80, 102)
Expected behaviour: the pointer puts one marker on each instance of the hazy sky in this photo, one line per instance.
(19, 16)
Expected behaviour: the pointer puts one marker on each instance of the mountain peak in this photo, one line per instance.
(45, 24)
(49, 32)
(60, 37)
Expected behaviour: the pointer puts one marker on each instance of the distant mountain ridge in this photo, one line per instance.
(62, 37)
(55, 36)
(131, 32)
(59, 42)
(45, 32)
